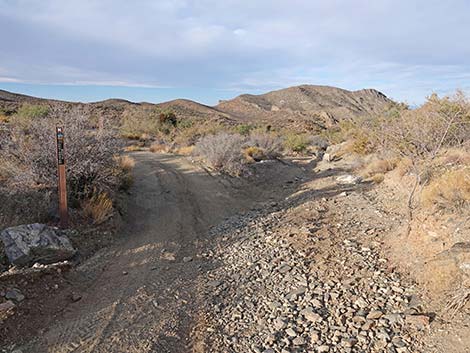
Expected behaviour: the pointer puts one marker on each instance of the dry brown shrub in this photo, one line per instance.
(99, 207)
(223, 152)
(89, 154)
(269, 145)
(451, 190)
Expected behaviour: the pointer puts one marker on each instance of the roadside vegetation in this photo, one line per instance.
(430, 144)
(95, 169)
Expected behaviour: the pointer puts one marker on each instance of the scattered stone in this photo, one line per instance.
(375, 314)
(6, 307)
(76, 297)
(279, 324)
(298, 341)
(187, 259)
(290, 332)
(31, 243)
(417, 321)
(14, 294)
(310, 315)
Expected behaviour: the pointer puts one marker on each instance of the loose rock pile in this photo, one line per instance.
(308, 279)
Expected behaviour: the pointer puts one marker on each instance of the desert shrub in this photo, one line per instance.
(269, 144)
(98, 207)
(450, 190)
(28, 114)
(297, 143)
(243, 129)
(192, 134)
(89, 155)
(223, 152)
(150, 122)
(167, 117)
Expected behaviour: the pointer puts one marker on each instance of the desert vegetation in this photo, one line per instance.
(94, 169)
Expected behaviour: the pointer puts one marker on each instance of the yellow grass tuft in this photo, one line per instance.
(185, 151)
(132, 148)
(450, 190)
(99, 208)
(379, 166)
(377, 178)
(254, 154)
(159, 148)
(126, 163)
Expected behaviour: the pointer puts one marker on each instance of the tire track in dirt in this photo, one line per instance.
(140, 294)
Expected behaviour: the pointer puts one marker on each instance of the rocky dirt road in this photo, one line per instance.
(140, 294)
(291, 261)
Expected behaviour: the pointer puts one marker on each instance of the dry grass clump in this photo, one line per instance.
(379, 166)
(377, 178)
(223, 152)
(254, 154)
(98, 207)
(454, 156)
(126, 163)
(159, 148)
(132, 148)
(185, 150)
(451, 190)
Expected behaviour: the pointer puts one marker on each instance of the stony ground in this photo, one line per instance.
(308, 275)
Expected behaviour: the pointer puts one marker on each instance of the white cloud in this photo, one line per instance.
(239, 43)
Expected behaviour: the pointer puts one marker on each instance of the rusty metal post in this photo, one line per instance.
(63, 211)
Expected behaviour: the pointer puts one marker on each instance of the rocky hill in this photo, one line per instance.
(307, 107)
(307, 104)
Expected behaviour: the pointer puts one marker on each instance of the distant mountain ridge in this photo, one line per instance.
(307, 106)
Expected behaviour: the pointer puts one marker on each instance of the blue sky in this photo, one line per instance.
(156, 50)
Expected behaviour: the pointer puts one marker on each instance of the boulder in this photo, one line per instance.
(349, 179)
(31, 243)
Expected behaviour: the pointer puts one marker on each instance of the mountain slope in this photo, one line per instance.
(305, 107)
(322, 104)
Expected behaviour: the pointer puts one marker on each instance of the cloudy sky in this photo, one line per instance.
(206, 50)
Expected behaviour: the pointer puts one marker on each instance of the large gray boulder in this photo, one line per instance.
(31, 243)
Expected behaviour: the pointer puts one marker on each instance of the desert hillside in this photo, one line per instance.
(307, 107)
(323, 105)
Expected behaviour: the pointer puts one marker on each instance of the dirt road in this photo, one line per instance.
(139, 294)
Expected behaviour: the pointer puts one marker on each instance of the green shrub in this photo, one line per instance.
(243, 129)
(297, 142)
